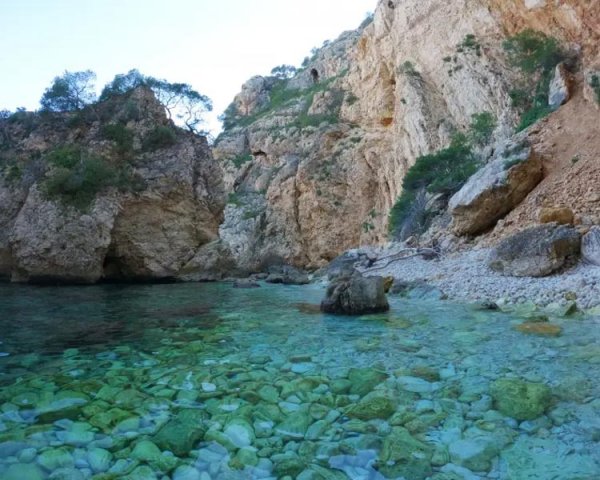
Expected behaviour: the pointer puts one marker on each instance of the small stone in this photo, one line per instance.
(474, 454)
(99, 459)
(240, 433)
(540, 329)
(363, 380)
(55, 458)
(208, 387)
(185, 472)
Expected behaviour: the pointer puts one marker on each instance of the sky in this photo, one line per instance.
(214, 45)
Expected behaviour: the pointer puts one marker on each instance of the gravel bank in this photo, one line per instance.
(465, 276)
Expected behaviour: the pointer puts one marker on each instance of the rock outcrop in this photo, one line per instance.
(164, 203)
(536, 252)
(52, 244)
(355, 295)
(497, 188)
(590, 246)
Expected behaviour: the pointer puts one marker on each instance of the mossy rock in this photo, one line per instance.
(520, 400)
(181, 434)
(364, 380)
(372, 407)
(402, 455)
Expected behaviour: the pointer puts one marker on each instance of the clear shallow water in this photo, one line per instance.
(201, 381)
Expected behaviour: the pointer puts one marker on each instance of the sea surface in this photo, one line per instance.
(205, 381)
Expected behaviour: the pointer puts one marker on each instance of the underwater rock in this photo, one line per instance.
(533, 458)
(294, 425)
(239, 432)
(185, 472)
(99, 459)
(287, 464)
(520, 400)
(181, 434)
(22, 471)
(402, 455)
(67, 474)
(475, 454)
(364, 380)
(355, 295)
(372, 407)
(540, 329)
(55, 458)
(148, 452)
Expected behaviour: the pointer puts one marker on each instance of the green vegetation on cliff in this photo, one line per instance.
(441, 173)
(77, 176)
(536, 55)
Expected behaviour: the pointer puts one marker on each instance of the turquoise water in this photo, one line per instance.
(201, 381)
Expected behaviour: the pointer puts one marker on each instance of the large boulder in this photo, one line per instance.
(355, 295)
(590, 246)
(496, 189)
(535, 252)
(519, 399)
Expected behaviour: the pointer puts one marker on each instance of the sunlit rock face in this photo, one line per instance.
(316, 169)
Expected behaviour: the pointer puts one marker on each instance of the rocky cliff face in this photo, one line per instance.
(314, 164)
(155, 194)
(310, 166)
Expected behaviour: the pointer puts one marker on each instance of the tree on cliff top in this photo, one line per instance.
(179, 99)
(284, 72)
(69, 92)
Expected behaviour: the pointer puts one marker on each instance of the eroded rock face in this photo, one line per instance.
(560, 87)
(12, 199)
(148, 232)
(355, 295)
(496, 189)
(535, 252)
(50, 243)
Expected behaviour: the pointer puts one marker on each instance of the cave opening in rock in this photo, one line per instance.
(315, 75)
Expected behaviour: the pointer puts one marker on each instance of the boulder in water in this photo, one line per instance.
(355, 295)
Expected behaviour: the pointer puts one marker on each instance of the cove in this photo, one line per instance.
(204, 381)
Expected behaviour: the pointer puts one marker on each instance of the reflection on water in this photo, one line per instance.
(201, 381)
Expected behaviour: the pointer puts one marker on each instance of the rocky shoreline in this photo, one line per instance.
(465, 276)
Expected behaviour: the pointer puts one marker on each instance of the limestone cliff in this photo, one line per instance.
(314, 164)
(113, 192)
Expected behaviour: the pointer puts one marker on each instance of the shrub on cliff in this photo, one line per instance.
(536, 55)
(121, 135)
(160, 137)
(482, 127)
(442, 172)
(76, 177)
